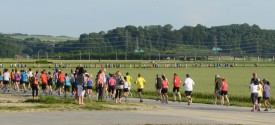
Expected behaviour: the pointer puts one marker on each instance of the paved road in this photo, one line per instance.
(172, 113)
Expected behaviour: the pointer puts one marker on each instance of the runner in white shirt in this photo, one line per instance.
(188, 85)
(6, 79)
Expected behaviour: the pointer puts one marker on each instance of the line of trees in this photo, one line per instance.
(154, 39)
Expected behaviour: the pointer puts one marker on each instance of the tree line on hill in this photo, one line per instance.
(146, 40)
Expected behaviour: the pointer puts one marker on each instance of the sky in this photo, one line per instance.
(75, 17)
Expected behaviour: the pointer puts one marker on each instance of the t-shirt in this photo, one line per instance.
(224, 86)
(218, 83)
(112, 81)
(61, 77)
(254, 88)
(44, 78)
(68, 81)
(260, 91)
(177, 81)
(6, 76)
(129, 79)
(17, 76)
(266, 92)
(1, 78)
(164, 84)
(24, 77)
(126, 85)
(188, 84)
(140, 82)
(80, 79)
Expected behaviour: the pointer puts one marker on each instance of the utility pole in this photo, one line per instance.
(137, 44)
(80, 55)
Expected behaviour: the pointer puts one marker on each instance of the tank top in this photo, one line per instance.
(89, 82)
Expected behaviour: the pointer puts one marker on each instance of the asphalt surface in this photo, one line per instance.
(171, 113)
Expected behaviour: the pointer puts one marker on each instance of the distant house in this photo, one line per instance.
(18, 57)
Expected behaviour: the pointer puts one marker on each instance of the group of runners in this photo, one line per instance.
(161, 84)
(80, 84)
(260, 89)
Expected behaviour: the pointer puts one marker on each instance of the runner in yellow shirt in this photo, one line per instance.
(140, 83)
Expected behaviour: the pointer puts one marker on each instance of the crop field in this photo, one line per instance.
(238, 79)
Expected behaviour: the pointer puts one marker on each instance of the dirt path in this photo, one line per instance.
(172, 113)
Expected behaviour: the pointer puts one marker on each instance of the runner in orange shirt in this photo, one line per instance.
(44, 80)
(176, 87)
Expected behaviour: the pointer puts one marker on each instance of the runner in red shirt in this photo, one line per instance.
(176, 87)
(61, 80)
(224, 92)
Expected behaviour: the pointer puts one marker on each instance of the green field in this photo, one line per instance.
(45, 38)
(238, 78)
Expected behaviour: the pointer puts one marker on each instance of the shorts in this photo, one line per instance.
(23, 82)
(89, 87)
(223, 92)
(17, 81)
(50, 83)
(80, 90)
(164, 90)
(266, 98)
(67, 88)
(188, 93)
(254, 97)
(259, 99)
(176, 89)
(60, 84)
(44, 86)
(139, 90)
(217, 91)
(6, 82)
(125, 90)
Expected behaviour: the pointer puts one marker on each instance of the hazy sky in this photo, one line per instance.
(74, 17)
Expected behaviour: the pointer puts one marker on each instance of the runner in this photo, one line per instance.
(67, 84)
(158, 84)
(24, 77)
(30, 75)
(176, 87)
(188, 84)
(6, 79)
(260, 95)
(34, 85)
(164, 89)
(119, 86)
(1, 79)
(126, 89)
(224, 92)
(112, 83)
(16, 80)
(254, 93)
(50, 83)
(38, 74)
(13, 83)
(266, 94)
(129, 81)
(140, 86)
(99, 85)
(44, 81)
(217, 90)
(80, 80)
(61, 81)
(105, 85)
(89, 86)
